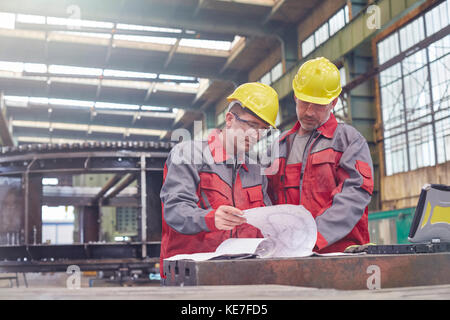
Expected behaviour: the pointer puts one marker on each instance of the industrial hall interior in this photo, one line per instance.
(224, 149)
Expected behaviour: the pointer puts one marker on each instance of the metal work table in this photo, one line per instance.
(88, 256)
(338, 272)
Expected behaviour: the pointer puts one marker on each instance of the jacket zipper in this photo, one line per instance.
(283, 177)
(306, 152)
(233, 179)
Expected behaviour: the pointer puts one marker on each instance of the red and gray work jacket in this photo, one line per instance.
(333, 181)
(197, 180)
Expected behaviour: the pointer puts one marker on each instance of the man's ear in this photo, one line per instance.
(228, 119)
(334, 102)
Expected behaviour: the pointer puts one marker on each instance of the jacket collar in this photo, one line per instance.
(217, 149)
(327, 129)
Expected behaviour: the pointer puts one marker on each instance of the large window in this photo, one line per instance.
(273, 74)
(325, 31)
(415, 94)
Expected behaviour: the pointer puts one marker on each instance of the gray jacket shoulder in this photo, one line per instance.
(190, 152)
(345, 135)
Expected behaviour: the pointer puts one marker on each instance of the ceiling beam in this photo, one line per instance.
(141, 12)
(125, 123)
(171, 53)
(166, 96)
(125, 43)
(88, 76)
(45, 139)
(28, 108)
(239, 48)
(183, 34)
(17, 48)
(85, 127)
(274, 10)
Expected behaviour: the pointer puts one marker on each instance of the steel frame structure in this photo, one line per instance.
(21, 171)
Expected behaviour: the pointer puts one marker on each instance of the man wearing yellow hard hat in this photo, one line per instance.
(323, 165)
(208, 183)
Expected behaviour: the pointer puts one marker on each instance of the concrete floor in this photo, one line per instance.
(52, 286)
(248, 292)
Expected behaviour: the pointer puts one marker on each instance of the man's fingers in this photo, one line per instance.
(231, 218)
(232, 214)
(232, 210)
(228, 217)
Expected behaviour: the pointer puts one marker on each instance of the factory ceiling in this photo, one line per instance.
(83, 70)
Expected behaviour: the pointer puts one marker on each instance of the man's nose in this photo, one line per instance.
(309, 109)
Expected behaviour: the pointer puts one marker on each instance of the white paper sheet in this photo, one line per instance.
(232, 246)
(290, 230)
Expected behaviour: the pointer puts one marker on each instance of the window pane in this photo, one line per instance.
(439, 48)
(347, 15)
(417, 98)
(308, 46)
(390, 75)
(437, 18)
(266, 79)
(440, 81)
(7, 20)
(392, 109)
(277, 72)
(421, 147)
(321, 35)
(388, 48)
(339, 112)
(395, 154)
(337, 22)
(412, 33)
(443, 140)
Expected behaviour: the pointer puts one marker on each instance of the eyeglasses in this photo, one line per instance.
(249, 123)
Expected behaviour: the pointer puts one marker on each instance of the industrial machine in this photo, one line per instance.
(430, 227)
(22, 196)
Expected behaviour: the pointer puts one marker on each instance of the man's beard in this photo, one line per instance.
(313, 127)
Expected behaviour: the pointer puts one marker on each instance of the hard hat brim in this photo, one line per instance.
(316, 100)
(261, 117)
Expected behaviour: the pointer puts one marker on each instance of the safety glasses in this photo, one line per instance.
(251, 124)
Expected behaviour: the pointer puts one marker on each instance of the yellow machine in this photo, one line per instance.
(431, 222)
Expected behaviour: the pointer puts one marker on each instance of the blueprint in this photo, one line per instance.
(288, 230)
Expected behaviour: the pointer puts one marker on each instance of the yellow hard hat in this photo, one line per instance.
(317, 81)
(259, 98)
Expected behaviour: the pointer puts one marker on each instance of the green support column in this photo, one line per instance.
(357, 6)
(210, 119)
(289, 48)
(362, 109)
